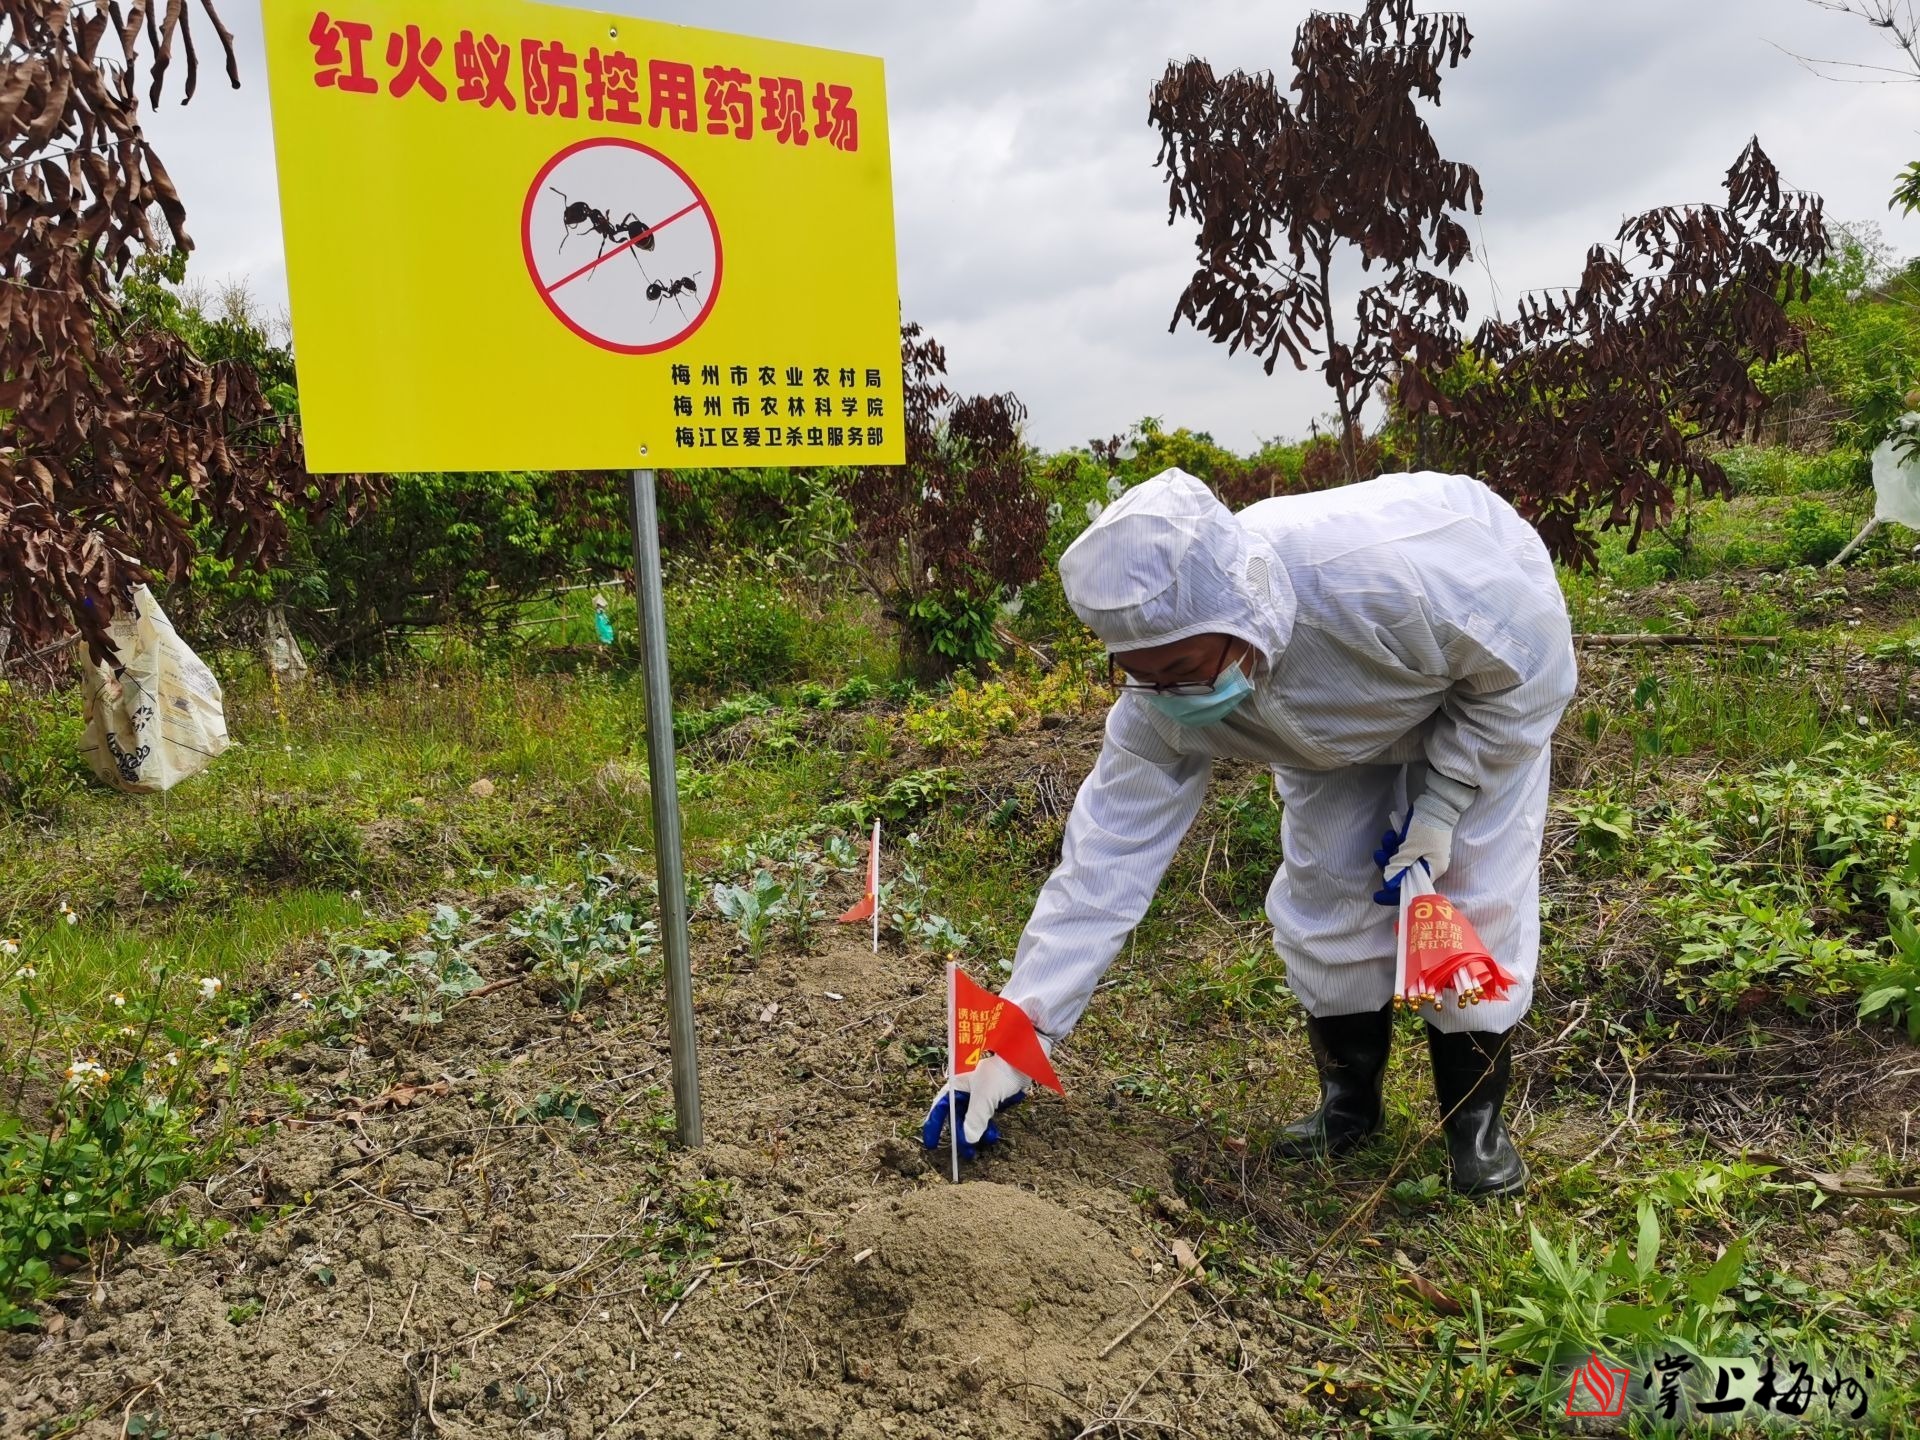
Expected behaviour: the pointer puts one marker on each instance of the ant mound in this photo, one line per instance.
(959, 1289)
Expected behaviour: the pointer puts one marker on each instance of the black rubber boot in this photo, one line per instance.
(1351, 1054)
(1470, 1074)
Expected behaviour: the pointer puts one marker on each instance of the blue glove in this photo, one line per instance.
(932, 1133)
(1390, 843)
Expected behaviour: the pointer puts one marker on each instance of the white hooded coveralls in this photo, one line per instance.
(1405, 618)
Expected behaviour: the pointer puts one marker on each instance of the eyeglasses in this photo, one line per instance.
(1117, 678)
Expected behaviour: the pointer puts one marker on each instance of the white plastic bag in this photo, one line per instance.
(160, 718)
(1896, 486)
(284, 659)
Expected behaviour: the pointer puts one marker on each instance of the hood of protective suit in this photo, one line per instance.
(1167, 560)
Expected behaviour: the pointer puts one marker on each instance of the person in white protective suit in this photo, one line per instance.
(1398, 642)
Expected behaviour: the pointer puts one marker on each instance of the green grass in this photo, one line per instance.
(1777, 470)
(341, 799)
(1753, 532)
(1746, 708)
(81, 964)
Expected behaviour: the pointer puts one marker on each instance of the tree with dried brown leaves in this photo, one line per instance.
(1281, 188)
(116, 440)
(940, 539)
(1608, 398)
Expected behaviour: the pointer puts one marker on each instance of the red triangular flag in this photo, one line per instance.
(971, 1012)
(864, 910)
(978, 1022)
(1015, 1041)
(982, 1022)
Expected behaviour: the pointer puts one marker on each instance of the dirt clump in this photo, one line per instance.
(980, 1283)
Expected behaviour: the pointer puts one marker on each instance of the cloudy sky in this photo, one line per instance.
(1032, 225)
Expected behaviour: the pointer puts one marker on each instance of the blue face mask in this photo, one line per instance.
(1228, 691)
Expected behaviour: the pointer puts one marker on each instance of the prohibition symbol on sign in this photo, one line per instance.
(621, 245)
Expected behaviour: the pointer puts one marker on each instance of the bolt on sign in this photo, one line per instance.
(520, 236)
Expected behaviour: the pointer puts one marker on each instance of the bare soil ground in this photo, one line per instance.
(416, 1253)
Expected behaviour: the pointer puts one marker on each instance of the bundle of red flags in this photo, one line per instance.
(1439, 951)
(979, 1022)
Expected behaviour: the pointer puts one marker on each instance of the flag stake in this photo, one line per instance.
(953, 1061)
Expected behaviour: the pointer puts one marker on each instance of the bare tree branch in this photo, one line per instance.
(1896, 17)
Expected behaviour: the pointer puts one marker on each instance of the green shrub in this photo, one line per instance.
(462, 551)
(1760, 615)
(587, 934)
(116, 1142)
(1814, 534)
(1656, 559)
(426, 979)
(742, 627)
(163, 883)
(40, 764)
(305, 844)
(1776, 470)
(1739, 940)
(1603, 825)
(1893, 986)
(957, 628)
(296, 843)
(1863, 347)
(1773, 889)
(1569, 1305)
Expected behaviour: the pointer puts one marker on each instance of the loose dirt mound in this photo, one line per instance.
(956, 1289)
(473, 1230)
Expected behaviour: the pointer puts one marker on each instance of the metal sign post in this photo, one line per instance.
(664, 787)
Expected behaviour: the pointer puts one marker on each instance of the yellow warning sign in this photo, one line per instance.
(523, 237)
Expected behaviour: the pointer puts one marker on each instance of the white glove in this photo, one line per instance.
(991, 1084)
(1429, 834)
(988, 1086)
